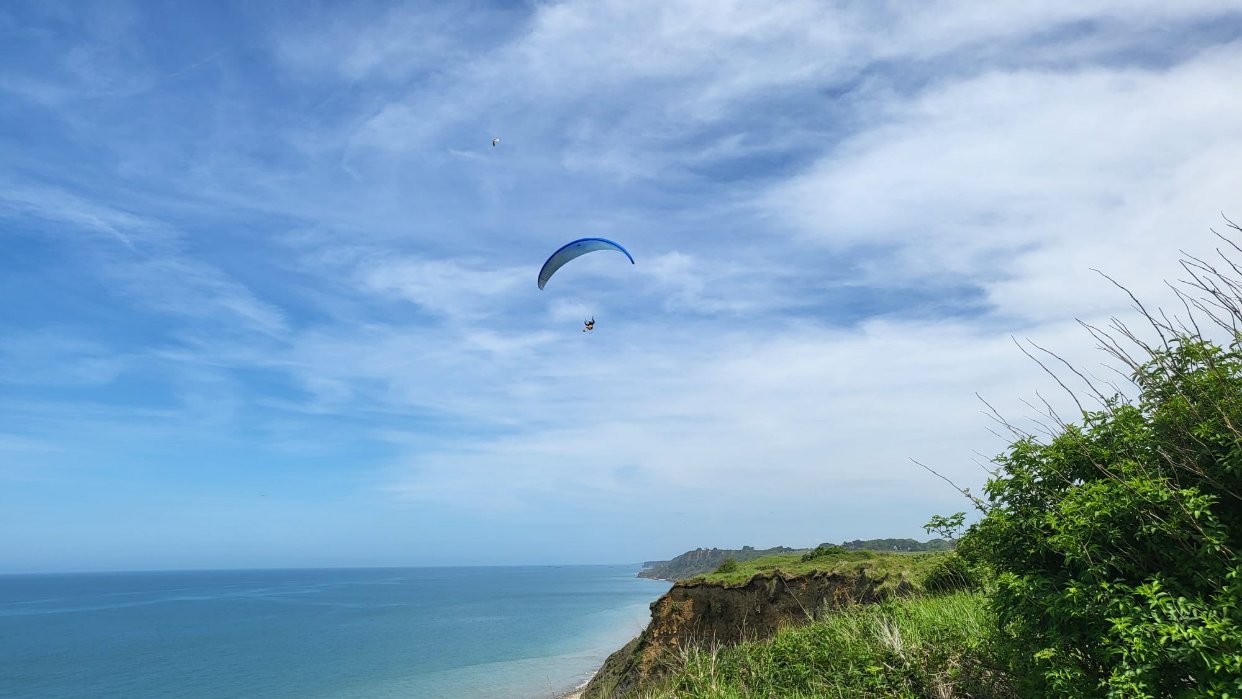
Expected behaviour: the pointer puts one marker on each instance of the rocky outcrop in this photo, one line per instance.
(695, 612)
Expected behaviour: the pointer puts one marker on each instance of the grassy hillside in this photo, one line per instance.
(926, 646)
(898, 567)
(701, 561)
(905, 545)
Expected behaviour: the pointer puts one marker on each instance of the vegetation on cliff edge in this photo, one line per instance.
(927, 646)
(701, 561)
(903, 545)
(895, 568)
(1115, 544)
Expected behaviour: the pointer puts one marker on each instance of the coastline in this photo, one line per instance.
(576, 692)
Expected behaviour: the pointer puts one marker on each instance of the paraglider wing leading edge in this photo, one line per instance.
(574, 249)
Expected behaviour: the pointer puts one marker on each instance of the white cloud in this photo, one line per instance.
(1021, 181)
(810, 412)
(761, 161)
(1012, 178)
(461, 289)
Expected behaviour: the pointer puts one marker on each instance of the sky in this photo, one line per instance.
(270, 292)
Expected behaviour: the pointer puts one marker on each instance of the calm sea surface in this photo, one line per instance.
(447, 633)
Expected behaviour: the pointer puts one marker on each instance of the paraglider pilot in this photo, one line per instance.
(588, 326)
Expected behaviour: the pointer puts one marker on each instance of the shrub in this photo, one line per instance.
(952, 572)
(822, 551)
(1115, 542)
(729, 565)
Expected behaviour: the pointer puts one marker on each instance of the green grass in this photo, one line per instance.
(928, 646)
(910, 567)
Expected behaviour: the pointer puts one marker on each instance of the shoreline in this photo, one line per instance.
(576, 692)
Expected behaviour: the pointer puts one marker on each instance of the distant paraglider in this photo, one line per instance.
(495, 141)
(588, 325)
(574, 249)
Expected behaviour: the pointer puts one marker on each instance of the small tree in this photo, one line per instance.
(946, 527)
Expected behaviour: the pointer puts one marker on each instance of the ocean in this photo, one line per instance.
(443, 633)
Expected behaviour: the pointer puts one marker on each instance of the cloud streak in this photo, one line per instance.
(303, 265)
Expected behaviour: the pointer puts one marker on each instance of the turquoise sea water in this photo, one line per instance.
(445, 633)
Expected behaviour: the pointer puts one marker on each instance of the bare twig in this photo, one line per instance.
(979, 504)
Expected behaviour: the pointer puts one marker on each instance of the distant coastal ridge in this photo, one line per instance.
(701, 561)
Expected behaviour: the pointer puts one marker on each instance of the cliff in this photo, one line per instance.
(700, 561)
(706, 611)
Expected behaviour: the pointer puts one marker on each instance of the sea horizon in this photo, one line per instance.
(456, 632)
(242, 569)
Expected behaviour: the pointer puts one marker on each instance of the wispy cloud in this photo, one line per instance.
(302, 258)
(49, 359)
(57, 205)
(458, 289)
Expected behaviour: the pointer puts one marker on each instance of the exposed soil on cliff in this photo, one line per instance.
(696, 612)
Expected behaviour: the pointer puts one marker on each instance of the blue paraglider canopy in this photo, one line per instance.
(573, 249)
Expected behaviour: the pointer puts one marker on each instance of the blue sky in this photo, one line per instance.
(270, 292)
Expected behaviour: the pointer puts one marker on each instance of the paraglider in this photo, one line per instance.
(571, 250)
(574, 249)
(495, 141)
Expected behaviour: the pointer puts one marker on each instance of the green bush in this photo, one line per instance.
(729, 565)
(1116, 543)
(952, 572)
(822, 551)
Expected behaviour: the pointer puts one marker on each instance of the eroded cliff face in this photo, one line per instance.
(700, 613)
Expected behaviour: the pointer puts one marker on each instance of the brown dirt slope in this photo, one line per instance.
(698, 612)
